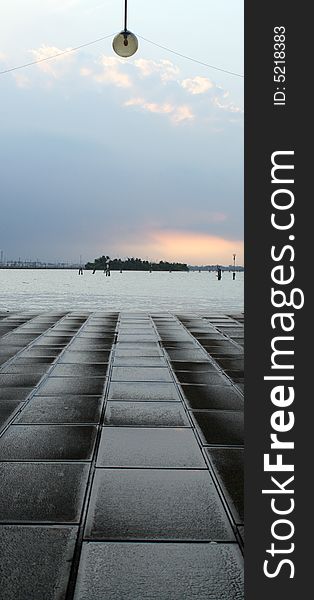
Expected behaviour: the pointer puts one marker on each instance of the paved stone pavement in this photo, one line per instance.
(122, 456)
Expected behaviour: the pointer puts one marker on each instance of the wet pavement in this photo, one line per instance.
(121, 448)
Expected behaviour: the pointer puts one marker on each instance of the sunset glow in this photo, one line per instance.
(189, 247)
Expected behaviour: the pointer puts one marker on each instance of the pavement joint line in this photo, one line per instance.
(40, 524)
(100, 540)
(46, 461)
(207, 410)
(104, 467)
(157, 541)
(89, 540)
(139, 540)
(86, 423)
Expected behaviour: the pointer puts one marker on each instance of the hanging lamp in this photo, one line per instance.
(125, 43)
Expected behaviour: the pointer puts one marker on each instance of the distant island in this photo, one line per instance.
(134, 264)
(116, 264)
(238, 268)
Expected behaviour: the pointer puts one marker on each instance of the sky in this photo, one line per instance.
(123, 157)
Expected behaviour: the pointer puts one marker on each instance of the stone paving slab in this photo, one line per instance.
(75, 410)
(35, 351)
(228, 466)
(220, 426)
(19, 379)
(160, 572)
(122, 351)
(121, 449)
(212, 397)
(17, 368)
(140, 391)
(7, 410)
(47, 442)
(42, 492)
(145, 414)
(156, 504)
(54, 386)
(199, 377)
(36, 561)
(14, 393)
(140, 374)
(90, 357)
(139, 361)
(80, 370)
(147, 447)
(186, 354)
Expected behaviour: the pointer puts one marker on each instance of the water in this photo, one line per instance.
(160, 291)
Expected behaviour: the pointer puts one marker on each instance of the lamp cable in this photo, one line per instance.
(96, 41)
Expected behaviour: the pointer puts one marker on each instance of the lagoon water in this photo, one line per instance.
(36, 289)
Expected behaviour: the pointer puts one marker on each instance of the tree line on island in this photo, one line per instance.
(134, 264)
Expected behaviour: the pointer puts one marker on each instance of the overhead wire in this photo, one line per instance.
(190, 58)
(40, 60)
(96, 41)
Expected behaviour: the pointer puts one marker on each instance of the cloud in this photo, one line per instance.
(108, 69)
(220, 99)
(197, 85)
(217, 95)
(152, 107)
(183, 113)
(227, 106)
(195, 99)
(57, 66)
(86, 72)
(21, 80)
(165, 69)
(112, 72)
(177, 114)
(135, 102)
